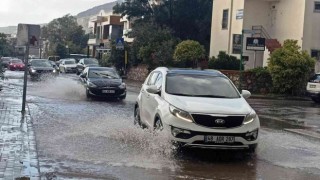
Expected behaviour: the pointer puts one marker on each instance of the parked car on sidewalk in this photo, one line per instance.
(103, 82)
(5, 61)
(86, 62)
(197, 108)
(313, 88)
(68, 65)
(41, 67)
(16, 64)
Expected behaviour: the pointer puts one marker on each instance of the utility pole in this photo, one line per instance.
(24, 95)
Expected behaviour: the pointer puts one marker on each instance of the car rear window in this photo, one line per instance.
(315, 78)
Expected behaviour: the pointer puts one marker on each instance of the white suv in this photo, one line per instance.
(198, 108)
(313, 88)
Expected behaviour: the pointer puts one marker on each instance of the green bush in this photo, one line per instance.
(290, 68)
(225, 62)
(261, 79)
(189, 52)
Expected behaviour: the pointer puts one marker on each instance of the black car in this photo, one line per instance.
(39, 67)
(86, 62)
(103, 82)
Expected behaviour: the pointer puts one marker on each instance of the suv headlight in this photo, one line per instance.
(54, 70)
(250, 117)
(90, 84)
(33, 70)
(122, 86)
(180, 114)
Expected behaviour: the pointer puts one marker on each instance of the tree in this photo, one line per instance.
(61, 50)
(290, 68)
(134, 9)
(65, 31)
(225, 62)
(152, 45)
(189, 51)
(6, 49)
(188, 19)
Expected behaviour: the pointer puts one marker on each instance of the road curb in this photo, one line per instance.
(309, 134)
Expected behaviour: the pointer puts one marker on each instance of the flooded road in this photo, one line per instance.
(81, 138)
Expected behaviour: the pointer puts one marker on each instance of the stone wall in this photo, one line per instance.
(260, 84)
(250, 81)
(138, 73)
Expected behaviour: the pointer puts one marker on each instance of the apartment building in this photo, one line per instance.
(274, 20)
(104, 28)
(127, 25)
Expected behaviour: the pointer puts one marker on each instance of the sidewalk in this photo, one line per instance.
(18, 154)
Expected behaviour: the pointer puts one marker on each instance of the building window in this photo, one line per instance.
(225, 18)
(315, 54)
(317, 6)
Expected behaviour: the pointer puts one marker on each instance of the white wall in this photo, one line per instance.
(289, 20)
(311, 34)
(256, 13)
(221, 39)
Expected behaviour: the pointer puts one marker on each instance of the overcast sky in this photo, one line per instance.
(13, 12)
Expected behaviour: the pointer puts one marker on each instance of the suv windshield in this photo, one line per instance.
(200, 86)
(90, 61)
(70, 62)
(103, 73)
(16, 61)
(40, 63)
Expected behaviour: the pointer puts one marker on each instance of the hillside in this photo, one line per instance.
(9, 29)
(95, 10)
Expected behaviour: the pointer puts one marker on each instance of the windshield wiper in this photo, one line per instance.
(212, 96)
(106, 75)
(179, 94)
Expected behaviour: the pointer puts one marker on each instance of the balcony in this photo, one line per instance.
(126, 31)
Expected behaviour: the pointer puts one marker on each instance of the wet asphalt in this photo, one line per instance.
(80, 138)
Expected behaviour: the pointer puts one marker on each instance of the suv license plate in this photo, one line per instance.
(312, 86)
(108, 91)
(219, 139)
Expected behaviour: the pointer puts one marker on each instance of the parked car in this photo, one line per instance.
(313, 88)
(198, 108)
(55, 66)
(5, 61)
(86, 62)
(54, 59)
(103, 82)
(16, 64)
(68, 65)
(40, 67)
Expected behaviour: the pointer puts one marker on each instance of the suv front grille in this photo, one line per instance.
(218, 122)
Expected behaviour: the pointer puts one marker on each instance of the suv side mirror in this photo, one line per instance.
(153, 89)
(245, 94)
(82, 75)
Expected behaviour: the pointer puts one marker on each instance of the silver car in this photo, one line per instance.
(197, 109)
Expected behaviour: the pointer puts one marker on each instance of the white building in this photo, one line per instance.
(275, 20)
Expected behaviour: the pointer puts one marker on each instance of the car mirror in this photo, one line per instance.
(153, 89)
(245, 94)
(83, 76)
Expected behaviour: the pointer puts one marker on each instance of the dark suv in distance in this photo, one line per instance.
(40, 67)
(86, 62)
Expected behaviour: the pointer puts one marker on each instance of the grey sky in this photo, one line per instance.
(13, 12)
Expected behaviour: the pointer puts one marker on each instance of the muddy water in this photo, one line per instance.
(91, 139)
